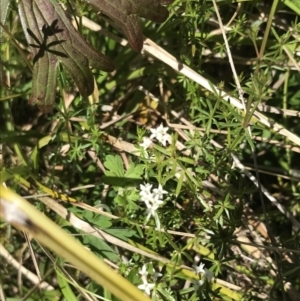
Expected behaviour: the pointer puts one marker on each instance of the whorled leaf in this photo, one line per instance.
(53, 39)
(126, 12)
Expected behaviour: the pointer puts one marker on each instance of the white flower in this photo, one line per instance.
(143, 272)
(128, 265)
(154, 201)
(146, 143)
(199, 269)
(152, 205)
(160, 134)
(145, 193)
(151, 211)
(159, 192)
(145, 189)
(146, 287)
(155, 275)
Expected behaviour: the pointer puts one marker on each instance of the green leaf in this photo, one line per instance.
(100, 247)
(128, 199)
(180, 182)
(125, 13)
(97, 219)
(21, 137)
(44, 83)
(110, 179)
(121, 233)
(114, 164)
(7, 174)
(45, 23)
(4, 5)
(134, 171)
(65, 287)
(293, 4)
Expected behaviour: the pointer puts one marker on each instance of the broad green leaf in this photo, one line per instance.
(4, 5)
(125, 13)
(97, 219)
(121, 233)
(134, 171)
(111, 179)
(114, 165)
(100, 247)
(44, 83)
(53, 39)
(128, 199)
(293, 4)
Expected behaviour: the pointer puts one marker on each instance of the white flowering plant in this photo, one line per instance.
(179, 169)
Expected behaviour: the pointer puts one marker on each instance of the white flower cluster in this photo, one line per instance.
(152, 200)
(147, 287)
(200, 270)
(160, 134)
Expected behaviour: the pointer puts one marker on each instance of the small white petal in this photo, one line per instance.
(146, 143)
(160, 134)
(154, 133)
(156, 275)
(199, 269)
(164, 139)
(143, 272)
(146, 287)
(154, 201)
(145, 189)
(150, 212)
(145, 192)
(159, 191)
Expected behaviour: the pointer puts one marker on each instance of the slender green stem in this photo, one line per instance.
(268, 28)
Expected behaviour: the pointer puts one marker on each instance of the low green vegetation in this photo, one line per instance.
(178, 164)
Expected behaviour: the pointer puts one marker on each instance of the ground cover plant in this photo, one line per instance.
(163, 137)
